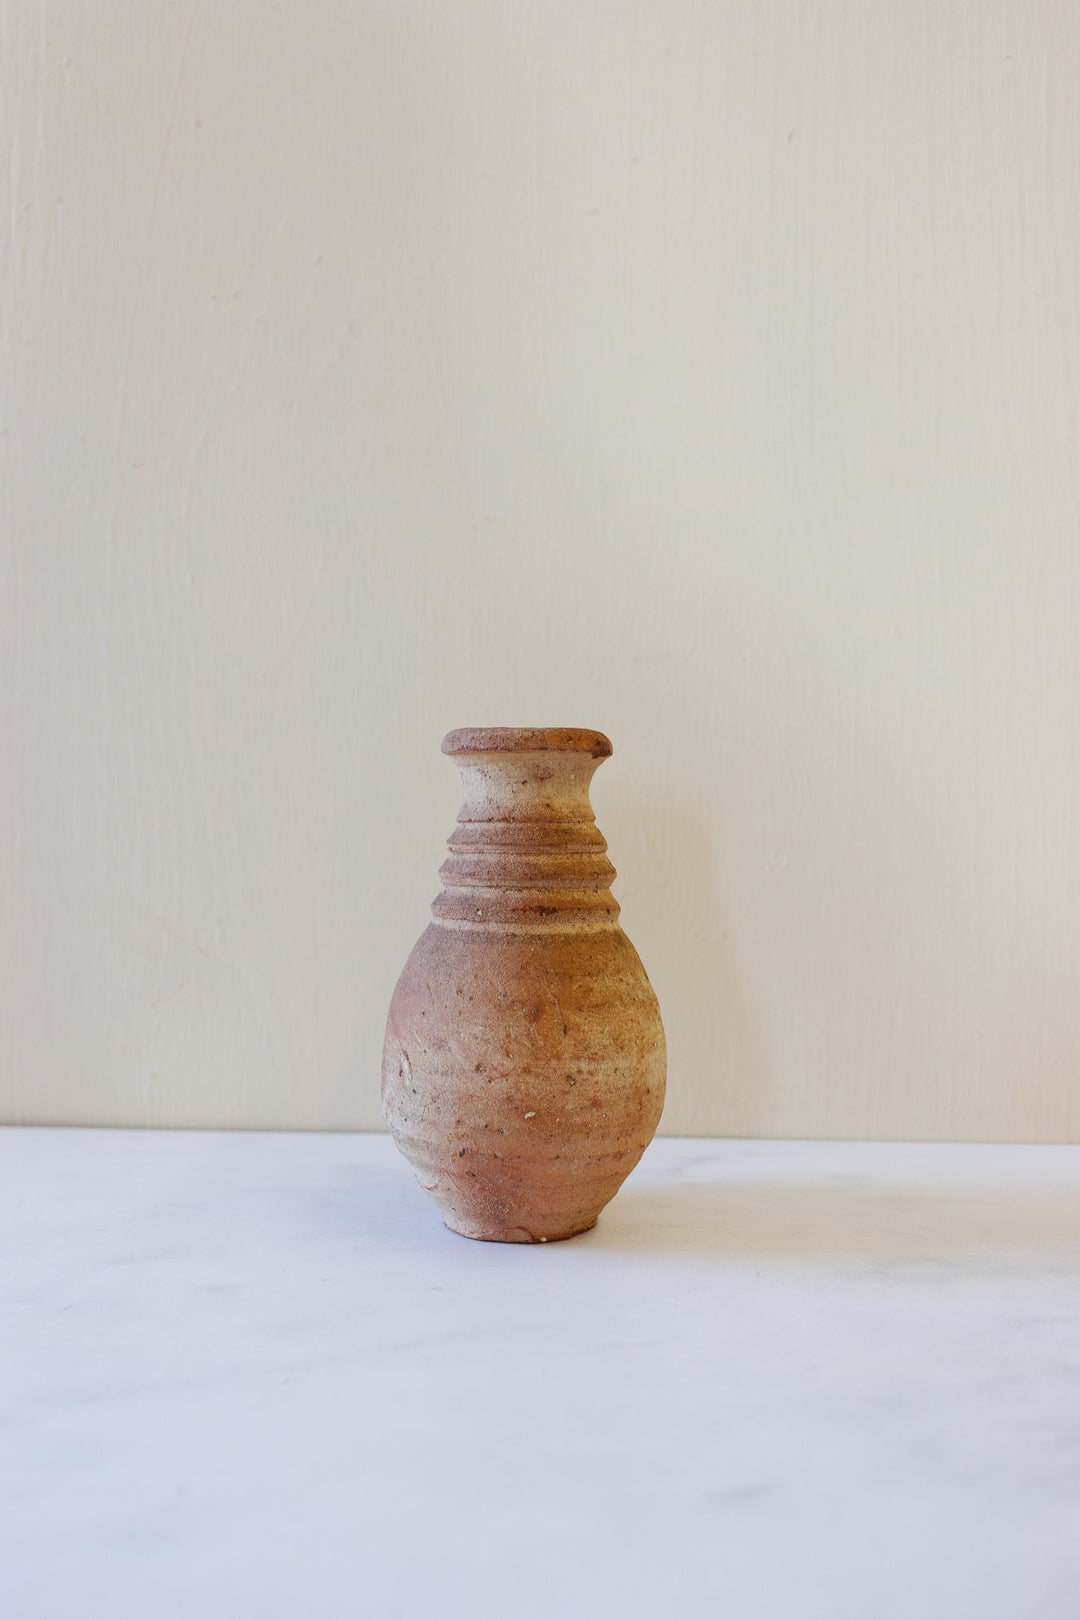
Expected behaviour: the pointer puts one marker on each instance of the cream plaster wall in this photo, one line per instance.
(707, 373)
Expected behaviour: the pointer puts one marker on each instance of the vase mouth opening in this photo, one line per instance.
(526, 740)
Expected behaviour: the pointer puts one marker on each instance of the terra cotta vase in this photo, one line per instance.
(524, 1063)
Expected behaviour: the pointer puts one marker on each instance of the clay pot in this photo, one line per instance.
(524, 1064)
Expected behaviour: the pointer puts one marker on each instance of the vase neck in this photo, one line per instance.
(527, 853)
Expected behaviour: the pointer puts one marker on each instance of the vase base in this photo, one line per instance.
(516, 1234)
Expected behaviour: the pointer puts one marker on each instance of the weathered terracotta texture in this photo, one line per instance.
(524, 1064)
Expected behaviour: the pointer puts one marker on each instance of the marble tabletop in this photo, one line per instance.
(252, 1377)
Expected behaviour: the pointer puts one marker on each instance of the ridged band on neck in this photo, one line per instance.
(526, 853)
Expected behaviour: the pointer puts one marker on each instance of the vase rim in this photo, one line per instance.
(526, 739)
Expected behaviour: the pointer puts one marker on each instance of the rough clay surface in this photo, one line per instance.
(524, 1064)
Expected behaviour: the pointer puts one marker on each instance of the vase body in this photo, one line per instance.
(524, 1062)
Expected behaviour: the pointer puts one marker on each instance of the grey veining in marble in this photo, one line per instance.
(252, 1377)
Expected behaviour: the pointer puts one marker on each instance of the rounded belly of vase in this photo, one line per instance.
(523, 1075)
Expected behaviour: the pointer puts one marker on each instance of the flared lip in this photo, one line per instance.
(526, 739)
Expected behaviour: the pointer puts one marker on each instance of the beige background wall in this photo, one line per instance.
(706, 373)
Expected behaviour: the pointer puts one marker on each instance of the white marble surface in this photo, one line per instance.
(252, 1376)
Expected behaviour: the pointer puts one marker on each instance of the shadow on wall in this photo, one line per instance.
(688, 939)
(911, 975)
